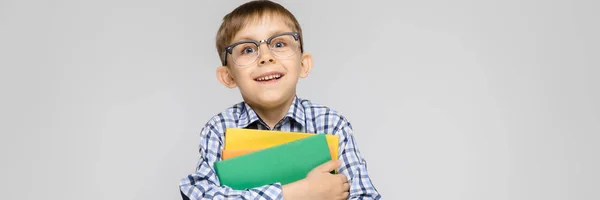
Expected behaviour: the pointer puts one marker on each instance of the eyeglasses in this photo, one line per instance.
(283, 45)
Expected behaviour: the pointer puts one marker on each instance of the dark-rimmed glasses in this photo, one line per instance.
(246, 52)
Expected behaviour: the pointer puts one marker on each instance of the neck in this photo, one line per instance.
(272, 115)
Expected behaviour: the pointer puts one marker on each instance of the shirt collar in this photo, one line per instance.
(295, 112)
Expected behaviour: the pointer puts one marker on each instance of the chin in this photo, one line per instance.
(271, 100)
(266, 100)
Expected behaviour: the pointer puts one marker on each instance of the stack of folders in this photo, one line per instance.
(253, 158)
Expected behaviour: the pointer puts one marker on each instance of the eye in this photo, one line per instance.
(248, 50)
(279, 44)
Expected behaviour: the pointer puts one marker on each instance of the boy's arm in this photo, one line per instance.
(354, 166)
(204, 184)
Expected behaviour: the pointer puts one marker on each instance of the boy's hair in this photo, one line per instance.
(248, 13)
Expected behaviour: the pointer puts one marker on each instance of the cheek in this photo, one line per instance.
(243, 79)
(240, 74)
(292, 65)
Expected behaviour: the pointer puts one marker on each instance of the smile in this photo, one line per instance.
(269, 77)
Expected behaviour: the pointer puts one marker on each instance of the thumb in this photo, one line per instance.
(328, 166)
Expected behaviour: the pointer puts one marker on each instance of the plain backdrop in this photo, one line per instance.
(456, 100)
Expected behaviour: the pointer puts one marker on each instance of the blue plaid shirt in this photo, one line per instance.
(303, 116)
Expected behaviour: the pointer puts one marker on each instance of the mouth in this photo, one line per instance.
(270, 77)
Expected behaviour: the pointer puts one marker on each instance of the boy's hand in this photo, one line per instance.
(325, 185)
(320, 184)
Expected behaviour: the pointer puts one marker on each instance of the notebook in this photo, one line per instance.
(239, 141)
(285, 163)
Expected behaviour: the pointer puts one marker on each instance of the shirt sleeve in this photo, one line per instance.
(354, 166)
(204, 183)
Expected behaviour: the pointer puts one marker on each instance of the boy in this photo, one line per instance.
(261, 50)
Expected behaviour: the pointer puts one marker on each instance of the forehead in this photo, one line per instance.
(263, 27)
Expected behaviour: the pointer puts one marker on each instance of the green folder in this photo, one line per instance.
(284, 163)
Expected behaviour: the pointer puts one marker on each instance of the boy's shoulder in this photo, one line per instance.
(319, 111)
(313, 116)
(226, 119)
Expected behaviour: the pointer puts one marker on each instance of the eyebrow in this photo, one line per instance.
(246, 38)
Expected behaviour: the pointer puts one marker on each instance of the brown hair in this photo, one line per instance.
(247, 13)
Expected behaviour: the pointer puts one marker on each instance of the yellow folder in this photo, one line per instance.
(227, 154)
(239, 141)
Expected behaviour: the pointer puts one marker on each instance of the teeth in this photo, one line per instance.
(266, 78)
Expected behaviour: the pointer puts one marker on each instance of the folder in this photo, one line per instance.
(284, 163)
(240, 141)
(227, 154)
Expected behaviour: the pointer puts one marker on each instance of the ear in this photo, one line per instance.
(307, 64)
(225, 77)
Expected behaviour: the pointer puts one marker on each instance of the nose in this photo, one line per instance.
(263, 61)
(266, 57)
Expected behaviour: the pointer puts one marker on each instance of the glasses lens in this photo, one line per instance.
(244, 53)
(284, 46)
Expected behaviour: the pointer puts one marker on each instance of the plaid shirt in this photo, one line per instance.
(303, 116)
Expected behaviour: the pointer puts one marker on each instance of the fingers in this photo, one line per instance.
(328, 166)
(345, 191)
(345, 195)
(346, 187)
(342, 178)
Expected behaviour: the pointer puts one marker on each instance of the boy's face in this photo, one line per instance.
(271, 80)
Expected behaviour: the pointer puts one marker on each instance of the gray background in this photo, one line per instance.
(449, 99)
